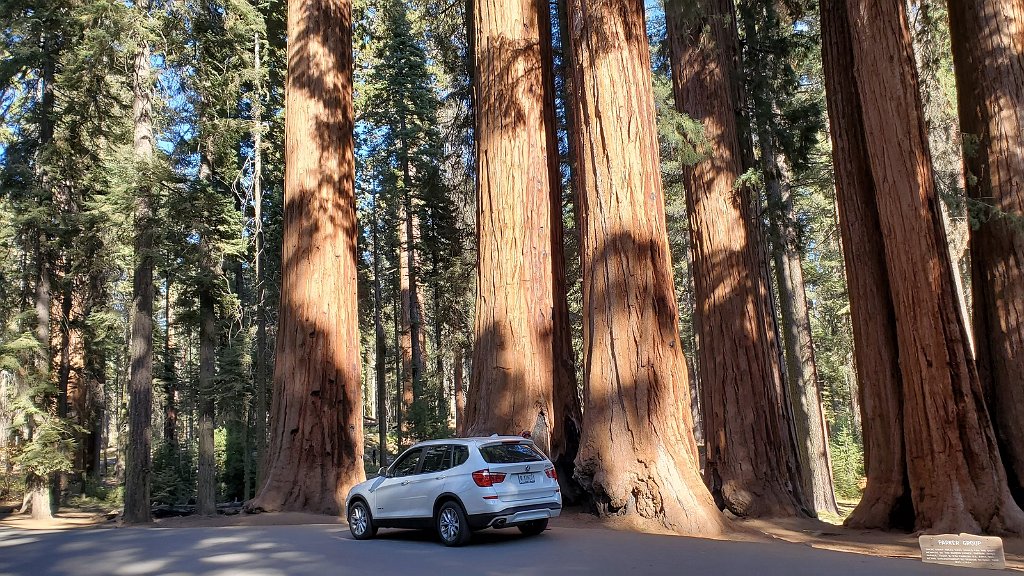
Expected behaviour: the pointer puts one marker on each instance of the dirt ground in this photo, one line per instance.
(808, 532)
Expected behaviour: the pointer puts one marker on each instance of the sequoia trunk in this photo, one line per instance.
(637, 454)
(751, 464)
(315, 452)
(522, 373)
(946, 425)
(988, 40)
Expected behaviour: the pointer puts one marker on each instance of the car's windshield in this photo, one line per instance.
(510, 453)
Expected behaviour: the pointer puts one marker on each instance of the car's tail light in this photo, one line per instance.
(550, 473)
(486, 478)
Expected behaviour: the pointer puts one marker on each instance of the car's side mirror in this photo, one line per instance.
(383, 472)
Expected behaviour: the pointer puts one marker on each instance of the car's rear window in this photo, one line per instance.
(510, 453)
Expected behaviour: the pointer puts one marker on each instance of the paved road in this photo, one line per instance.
(330, 550)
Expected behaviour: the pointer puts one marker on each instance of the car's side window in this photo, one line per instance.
(459, 455)
(434, 459)
(407, 464)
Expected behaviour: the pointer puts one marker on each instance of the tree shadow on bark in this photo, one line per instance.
(751, 466)
(504, 400)
(316, 441)
(638, 457)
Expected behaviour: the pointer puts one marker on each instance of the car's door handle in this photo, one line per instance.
(441, 477)
(405, 483)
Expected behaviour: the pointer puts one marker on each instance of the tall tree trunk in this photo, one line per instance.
(522, 359)
(138, 473)
(93, 384)
(206, 480)
(801, 365)
(401, 391)
(417, 336)
(930, 35)
(750, 464)
(64, 363)
(568, 415)
(886, 500)
(316, 441)
(380, 343)
(411, 289)
(406, 343)
(988, 40)
(945, 422)
(58, 480)
(259, 263)
(38, 493)
(170, 378)
(637, 454)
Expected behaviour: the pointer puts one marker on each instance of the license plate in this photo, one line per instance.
(527, 479)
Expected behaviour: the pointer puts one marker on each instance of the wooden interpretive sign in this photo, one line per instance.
(963, 550)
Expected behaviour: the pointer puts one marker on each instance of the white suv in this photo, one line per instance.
(459, 485)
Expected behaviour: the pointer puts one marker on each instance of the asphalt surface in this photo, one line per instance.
(330, 550)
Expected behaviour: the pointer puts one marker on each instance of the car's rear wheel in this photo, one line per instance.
(451, 525)
(360, 523)
(533, 527)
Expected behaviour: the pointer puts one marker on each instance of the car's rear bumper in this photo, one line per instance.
(515, 515)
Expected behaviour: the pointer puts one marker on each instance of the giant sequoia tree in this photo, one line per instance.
(751, 464)
(523, 376)
(886, 499)
(316, 441)
(988, 41)
(637, 454)
(951, 459)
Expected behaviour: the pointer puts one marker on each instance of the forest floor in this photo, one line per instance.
(808, 532)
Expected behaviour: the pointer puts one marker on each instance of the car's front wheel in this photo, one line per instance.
(534, 527)
(360, 523)
(451, 525)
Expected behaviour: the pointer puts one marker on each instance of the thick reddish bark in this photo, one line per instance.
(523, 376)
(315, 452)
(886, 500)
(460, 394)
(637, 455)
(988, 40)
(751, 464)
(952, 462)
